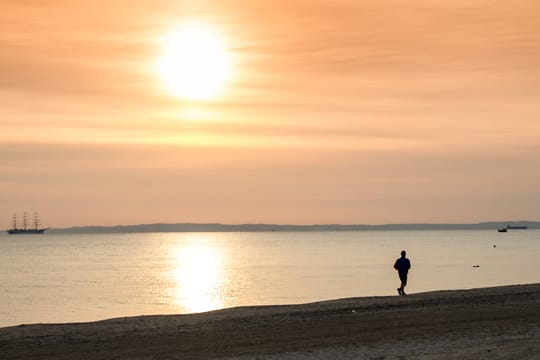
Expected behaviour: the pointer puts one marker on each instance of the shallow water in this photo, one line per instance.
(70, 278)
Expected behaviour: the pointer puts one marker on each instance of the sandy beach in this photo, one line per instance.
(489, 323)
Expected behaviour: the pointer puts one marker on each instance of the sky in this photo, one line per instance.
(342, 111)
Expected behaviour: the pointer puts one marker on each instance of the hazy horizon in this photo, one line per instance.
(217, 227)
(314, 112)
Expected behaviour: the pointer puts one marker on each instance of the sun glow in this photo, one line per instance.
(194, 63)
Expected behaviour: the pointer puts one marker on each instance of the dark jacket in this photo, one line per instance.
(402, 265)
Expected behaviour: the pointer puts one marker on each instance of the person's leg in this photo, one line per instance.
(403, 278)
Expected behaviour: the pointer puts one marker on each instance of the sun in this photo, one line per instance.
(194, 64)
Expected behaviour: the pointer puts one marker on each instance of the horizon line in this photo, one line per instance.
(266, 225)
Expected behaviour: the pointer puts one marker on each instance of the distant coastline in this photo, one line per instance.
(216, 227)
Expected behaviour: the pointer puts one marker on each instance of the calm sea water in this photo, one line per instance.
(71, 278)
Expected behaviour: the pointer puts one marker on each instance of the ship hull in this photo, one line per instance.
(25, 232)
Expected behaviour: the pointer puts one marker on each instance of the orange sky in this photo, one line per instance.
(343, 111)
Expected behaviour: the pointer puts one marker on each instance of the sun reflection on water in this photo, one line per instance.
(198, 276)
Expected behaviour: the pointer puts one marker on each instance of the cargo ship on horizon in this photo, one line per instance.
(512, 227)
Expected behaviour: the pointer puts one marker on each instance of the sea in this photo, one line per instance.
(59, 278)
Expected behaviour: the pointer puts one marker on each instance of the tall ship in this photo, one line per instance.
(25, 228)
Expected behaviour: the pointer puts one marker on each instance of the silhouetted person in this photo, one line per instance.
(402, 265)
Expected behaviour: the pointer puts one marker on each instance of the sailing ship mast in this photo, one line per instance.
(14, 222)
(25, 222)
(36, 221)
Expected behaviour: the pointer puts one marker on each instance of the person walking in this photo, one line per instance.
(402, 265)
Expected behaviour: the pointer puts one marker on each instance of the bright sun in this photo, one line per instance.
(194, 64)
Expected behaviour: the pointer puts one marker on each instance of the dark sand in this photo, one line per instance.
(489, 323)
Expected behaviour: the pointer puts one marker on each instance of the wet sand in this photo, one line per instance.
(489, 323)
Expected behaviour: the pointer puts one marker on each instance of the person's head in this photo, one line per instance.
(403, 253)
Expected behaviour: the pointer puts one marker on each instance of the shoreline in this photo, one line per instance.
(497, 323)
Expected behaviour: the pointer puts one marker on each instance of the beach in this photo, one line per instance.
(487, 323)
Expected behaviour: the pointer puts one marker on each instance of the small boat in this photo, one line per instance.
(15, 230)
